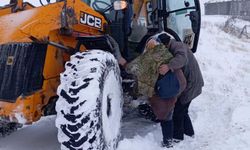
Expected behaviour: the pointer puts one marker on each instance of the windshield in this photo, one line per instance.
(98, 5)
(104, 6)
(184, 20)
(179, 21)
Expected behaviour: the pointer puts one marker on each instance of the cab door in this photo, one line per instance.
(182, 19)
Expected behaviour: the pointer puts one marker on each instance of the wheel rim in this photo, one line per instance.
(111, 109)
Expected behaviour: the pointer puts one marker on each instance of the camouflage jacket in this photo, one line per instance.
(145, 68)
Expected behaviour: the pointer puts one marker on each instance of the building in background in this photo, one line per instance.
(236, 8)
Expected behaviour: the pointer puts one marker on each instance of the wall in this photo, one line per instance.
(239, 8)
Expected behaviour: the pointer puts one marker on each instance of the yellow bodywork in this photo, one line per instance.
(43, 23)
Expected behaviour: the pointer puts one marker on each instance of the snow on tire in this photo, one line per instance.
(89, 107)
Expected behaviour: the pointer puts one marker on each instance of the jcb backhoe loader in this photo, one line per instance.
(37, 44)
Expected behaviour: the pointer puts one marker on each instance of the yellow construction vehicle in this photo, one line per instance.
(71, 40)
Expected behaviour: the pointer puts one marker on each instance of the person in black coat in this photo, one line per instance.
(184, 59)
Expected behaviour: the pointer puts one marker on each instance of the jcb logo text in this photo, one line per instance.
(91, 20)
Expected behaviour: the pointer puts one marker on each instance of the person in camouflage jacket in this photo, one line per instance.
(146, 68)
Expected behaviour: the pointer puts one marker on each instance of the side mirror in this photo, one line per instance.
(120, 5)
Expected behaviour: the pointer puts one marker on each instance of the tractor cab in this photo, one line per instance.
(181, 19)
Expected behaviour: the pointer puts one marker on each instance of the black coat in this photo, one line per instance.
(184, 59)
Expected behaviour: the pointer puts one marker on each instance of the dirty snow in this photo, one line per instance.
(41, 135)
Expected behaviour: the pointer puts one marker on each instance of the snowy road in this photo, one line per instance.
(221, 115)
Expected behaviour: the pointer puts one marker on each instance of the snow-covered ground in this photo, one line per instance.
(221, 115)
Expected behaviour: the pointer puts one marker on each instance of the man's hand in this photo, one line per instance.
(122, 61)
(163, 69)
(151, 44)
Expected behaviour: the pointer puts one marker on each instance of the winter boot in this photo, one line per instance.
(167, 132)
(176, 140)
(168, 143)
(146, 111)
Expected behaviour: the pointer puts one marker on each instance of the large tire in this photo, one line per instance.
(89, 108)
